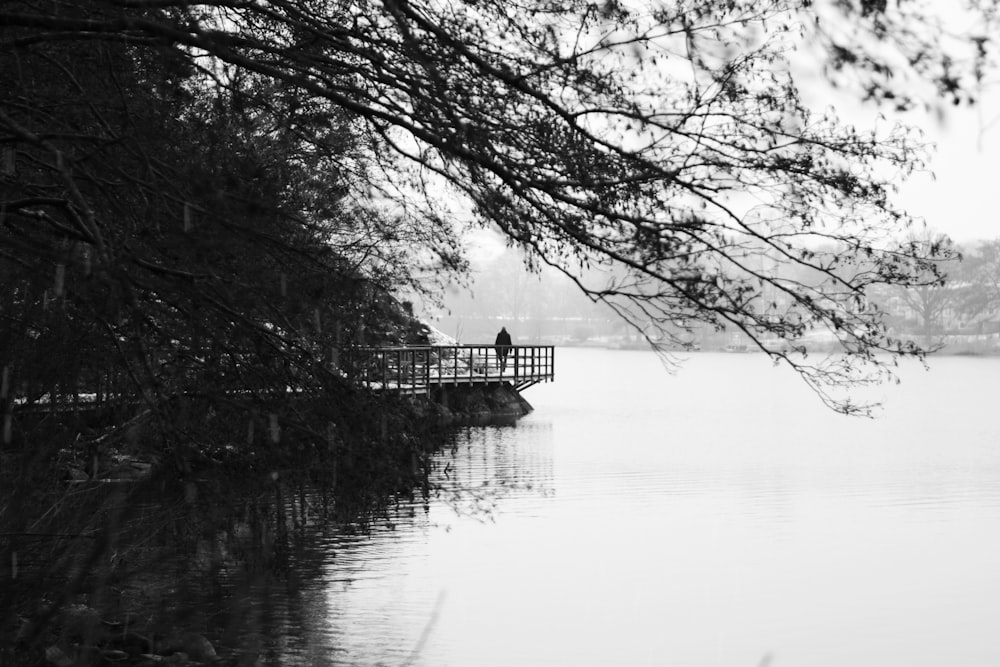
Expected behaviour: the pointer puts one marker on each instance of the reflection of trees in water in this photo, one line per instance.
(484, 465)
(229, 558)
(254, 564)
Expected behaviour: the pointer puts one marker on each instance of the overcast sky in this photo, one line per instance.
(963, 200)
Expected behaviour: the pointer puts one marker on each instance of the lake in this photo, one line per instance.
(720, 516)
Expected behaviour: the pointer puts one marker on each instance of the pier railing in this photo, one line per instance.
(407, 369)
(415, 369)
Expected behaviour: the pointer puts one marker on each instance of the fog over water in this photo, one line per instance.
(718, 517)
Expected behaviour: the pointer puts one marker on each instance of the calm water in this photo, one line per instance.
(718, 517)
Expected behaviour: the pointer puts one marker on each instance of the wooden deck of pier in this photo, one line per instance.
(418, 369)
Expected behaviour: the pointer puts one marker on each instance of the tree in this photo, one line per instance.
(978, 281)
(181, 238)
(949, 54)
(932, 301)
(184, 248)
(669, 145)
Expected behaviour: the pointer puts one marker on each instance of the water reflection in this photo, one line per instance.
(640, 526)
(487, 465)
(274, 575)
(386, 594)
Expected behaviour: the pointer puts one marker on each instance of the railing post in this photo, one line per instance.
(517, 370)
(427, 371)
(414, 370)
(440, 369)
(384, 357)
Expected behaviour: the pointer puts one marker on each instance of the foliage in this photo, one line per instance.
(183, 239)
(932, 300)
(907, 54)
(963, 302)
(979, 280)
(183, 250)
(668, 144)
(201, 203)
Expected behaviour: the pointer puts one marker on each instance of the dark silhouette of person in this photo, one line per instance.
(502, 344)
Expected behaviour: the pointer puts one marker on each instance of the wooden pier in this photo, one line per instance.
(418, 369)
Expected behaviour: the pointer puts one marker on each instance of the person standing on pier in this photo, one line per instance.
(503, 344)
